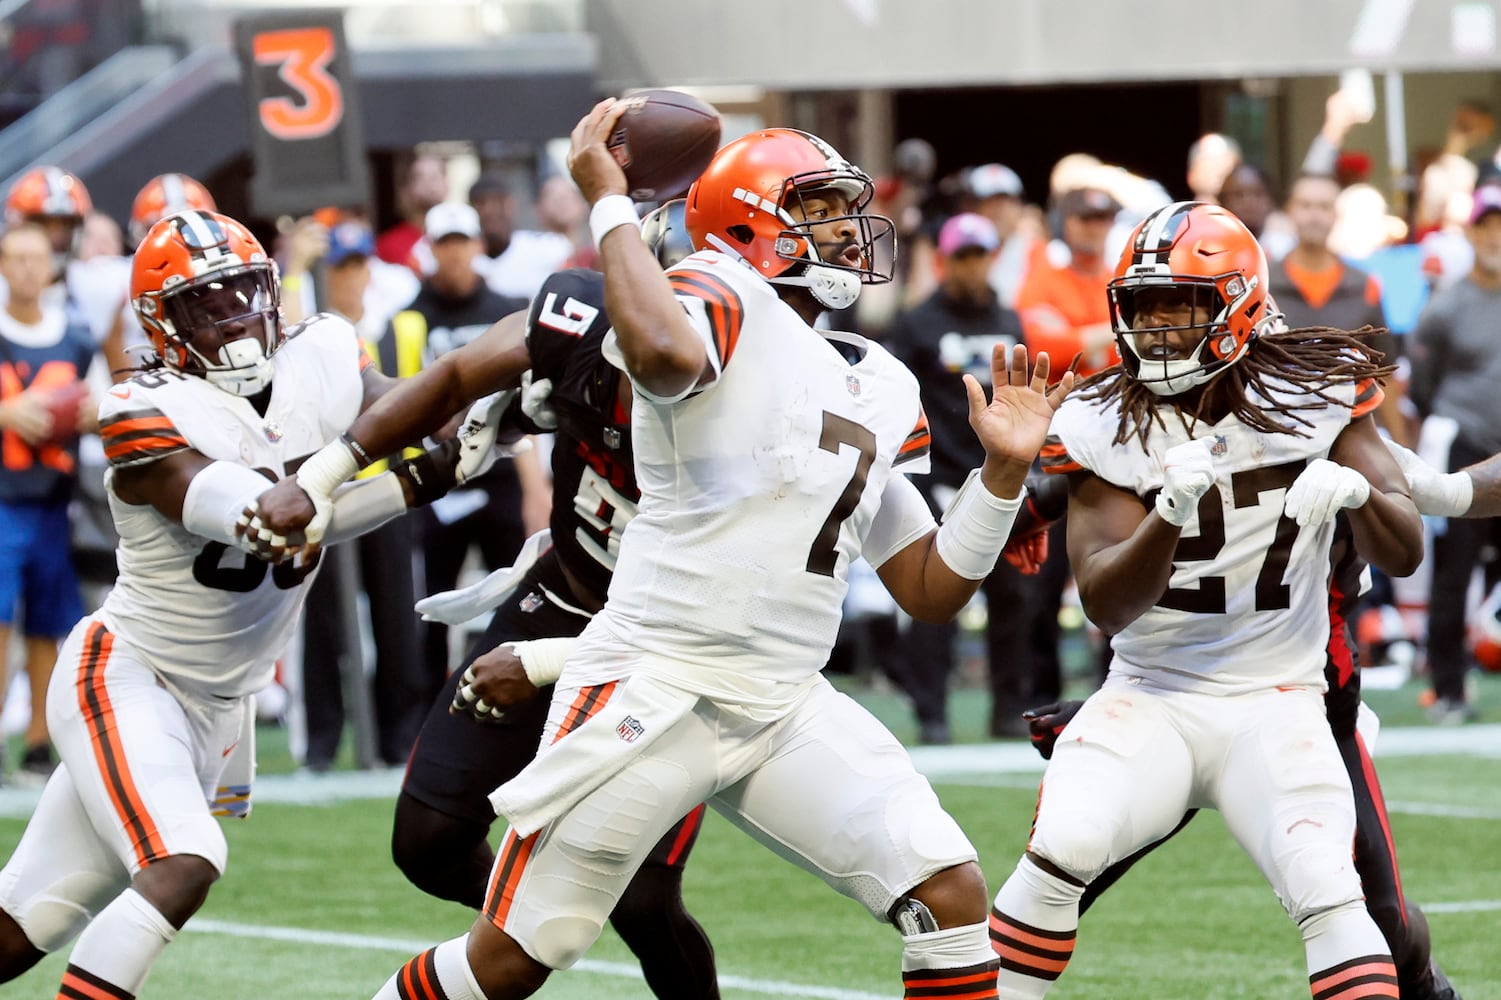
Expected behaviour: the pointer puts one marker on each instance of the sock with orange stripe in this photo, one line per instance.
(1347, 955)
(952, 964)
(116, 951)
(1032, 928)
(440, 973)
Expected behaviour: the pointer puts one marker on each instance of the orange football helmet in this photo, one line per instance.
(163, 195)
(1203, 248)
(207, 294)
(56, 200)
(740, 206)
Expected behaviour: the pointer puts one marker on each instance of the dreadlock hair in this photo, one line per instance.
(1312, 359)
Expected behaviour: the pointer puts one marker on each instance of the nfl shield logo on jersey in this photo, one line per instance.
(1220, 446)
(852, 384)
(531, 602)
(612, 437)
(272, 431)
(629, 729)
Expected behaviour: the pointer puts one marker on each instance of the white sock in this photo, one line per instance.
(1345, 947)
(1032, 927)
(956, 957)
(440, 973)
(116, 951)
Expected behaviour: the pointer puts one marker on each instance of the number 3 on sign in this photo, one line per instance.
(302, 56)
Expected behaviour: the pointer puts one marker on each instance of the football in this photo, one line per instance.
(663, 141)
(64, 404)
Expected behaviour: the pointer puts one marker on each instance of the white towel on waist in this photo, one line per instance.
(638, 712)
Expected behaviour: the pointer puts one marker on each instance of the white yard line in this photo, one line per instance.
(409, 947)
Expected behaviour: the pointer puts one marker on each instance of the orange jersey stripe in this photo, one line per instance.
(725, 310)
(109, 753)
(1368, 396)
(145, 446)
(916, 442)
(153, 421)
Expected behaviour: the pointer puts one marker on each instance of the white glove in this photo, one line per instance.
(534, 401)
(477, 435)
(1187, 474)
(455, 607)
(1437, 494)
(1323, 490)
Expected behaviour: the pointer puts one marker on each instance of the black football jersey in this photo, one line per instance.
(594, 481)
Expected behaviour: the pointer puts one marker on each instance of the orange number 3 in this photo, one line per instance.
(303, 55)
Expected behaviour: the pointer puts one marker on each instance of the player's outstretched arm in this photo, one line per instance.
(662, 351)
(405, 411)
(933, 577)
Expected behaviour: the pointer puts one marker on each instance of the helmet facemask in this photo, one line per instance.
(834, 283)
(236, 310)
(1147, 355)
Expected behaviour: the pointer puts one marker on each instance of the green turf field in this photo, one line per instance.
(311, 906)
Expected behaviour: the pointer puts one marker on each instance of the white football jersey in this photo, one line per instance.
(206, 615)
(1247, 605)
(758, 490)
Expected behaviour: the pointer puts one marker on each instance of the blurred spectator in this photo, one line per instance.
(994, 191)
(497, 511)
(1210, 160)
(424, 185)
(514, 262)
(1314, 287)
(1367, 235)
(1472, 132)
(101, 237)
(1062, 302)
(1455, 371)
(561, 209)
(913, 204)
(951, 333)
(1248, 193)
(1441, 224)
(45, 349)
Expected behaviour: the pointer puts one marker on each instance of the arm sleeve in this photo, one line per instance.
(902, 519)
(364, 506)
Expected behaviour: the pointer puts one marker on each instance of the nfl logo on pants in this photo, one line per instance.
(629, 729)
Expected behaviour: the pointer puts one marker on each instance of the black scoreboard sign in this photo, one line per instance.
(304, 116)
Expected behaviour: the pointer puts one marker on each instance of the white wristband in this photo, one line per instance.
(543, 659)
(327, 469)
(609, 214)
(1452, 496)
(975, 528)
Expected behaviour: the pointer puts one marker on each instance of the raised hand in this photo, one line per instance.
(1014, 424)
(593, 167)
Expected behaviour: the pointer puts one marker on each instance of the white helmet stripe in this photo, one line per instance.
(174, 192)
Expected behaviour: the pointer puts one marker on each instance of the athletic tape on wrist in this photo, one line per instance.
(543, 659)
(975, 528)
(327, 469)
(610, 213)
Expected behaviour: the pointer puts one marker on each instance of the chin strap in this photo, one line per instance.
(833, 287)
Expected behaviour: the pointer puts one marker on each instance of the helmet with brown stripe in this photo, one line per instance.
(1205, 260)
(58, 202)
(207, 294)
(769, 196)
(163, 195)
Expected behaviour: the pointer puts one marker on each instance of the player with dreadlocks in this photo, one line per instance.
(1205, 476)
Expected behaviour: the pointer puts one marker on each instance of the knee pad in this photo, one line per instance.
(561, 941)
(1317, 877)
(57, 914)
(1078, 841)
